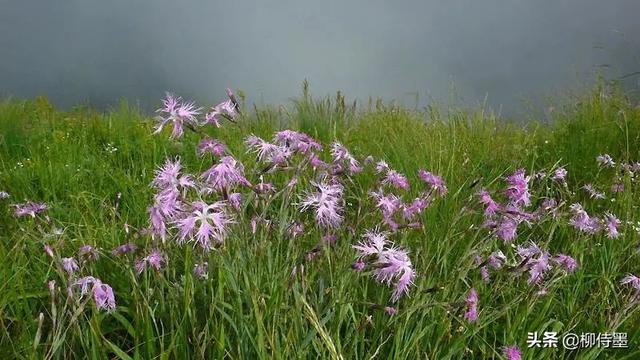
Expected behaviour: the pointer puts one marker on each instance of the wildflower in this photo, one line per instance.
(358, 265)
(89, 252)
(168, 177)
(390, 310)
(435, 182)
(201, 271)
(394, 263)
(296, 141)
(605, 160)
(415, 208)
(4, 195)
(611, 224)
(327, 202)
(507, 229)
(329, 239)
(559, 174)
(235, 200)
(48, 250)
(295, 230)
(582, 221)
(395, 179)
(208, 145)
(538, 267)
(103, 296)
(491, 205)
(593, 193)
(472, 306)
(496, 259)
(268, 152)
(224, 175)
(124, 249)
(227, 109)
(342, 157)
(373, 244)
(518, 188)
(154, 260)
(211, 220)
(70, 265)
(29, 209)
(157, 220)
(175, 111)
(566, 262)
(631, 280)
(617, 188)
(512, 352)
(381, 166)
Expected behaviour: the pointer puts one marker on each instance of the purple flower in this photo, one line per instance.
(518, 188)
(593, 193)
(631, 280)
(296, 141)
(395, 179)
(29, 209)
(201, 271)
(507, 229)
(342, 158)
(208, 145)
(235, 200)
(327, 203)
(4, 195)
(566, 262)
(102, 293)
(225, 175)
(373, 244)
(559, 174)
(268, 152)
(512, 352)
(538, 267)
(496, 259)
(70, 265)
(124, 249)
(435, 182)
(605, 160)
(227, 109)
(103, 296)
(48, 250)
(415, 208)
(154, 260)
(169, 178)
(617, 188)
(358, 265)
(381, 166)
(175, 111)
(205, 224)
(295, 230)
(393, 264)
(89, 252)
(611, 224)
(390, 310)
(582, 221)
(472, 306)
(491, 205)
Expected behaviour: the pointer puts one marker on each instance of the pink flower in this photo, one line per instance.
(582, 221)
(70, 265)
(169, 177)
(268, 152)
(296, 141)
(227, 109)
(201, 271)
(29, 209)
(566, 262)
(124, 249)
(295, 230)
(48, 250)
(225, 175)
(518, 188)
(631, 280)
(415, 208)
(103, 296)
(88, 252)
(605, 160)
(491, 205)
(593, 193)
(560, 174)
(617, 188)
(390, 310)
(394, 264)
(208, 145)
(235, 200)
(512, 352)
(435, 182)
(343, 159)
(327, 203)
(395, 179)
(611, 223)
(154, 260)
(175, 111)
(472, 306)
(205, 224)
(358, 265)
(373, 244)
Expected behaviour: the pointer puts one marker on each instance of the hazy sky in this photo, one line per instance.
(101, 51)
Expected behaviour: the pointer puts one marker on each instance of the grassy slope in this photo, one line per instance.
(245, 308)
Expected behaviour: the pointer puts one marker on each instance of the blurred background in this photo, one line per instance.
(511, 54)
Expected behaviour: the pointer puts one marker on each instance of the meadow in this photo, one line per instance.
(369, 231)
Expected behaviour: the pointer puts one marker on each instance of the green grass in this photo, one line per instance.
(251, 306)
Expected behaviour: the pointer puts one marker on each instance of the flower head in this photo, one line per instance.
(605, 160)
(205, 224)
(175, 111)
(518, 188)
(343, 159)
(327, 203)
(560, 174)
(225, 175)
(566, 262)
(512, 352)
(201, 271)
(70, 265)
(472, 306)
(208, 145)
(434, 181)
(29, 209)
(611, 223)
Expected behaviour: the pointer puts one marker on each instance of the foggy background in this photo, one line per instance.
(98, 52)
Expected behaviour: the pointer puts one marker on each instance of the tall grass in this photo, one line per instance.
(253, 305)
